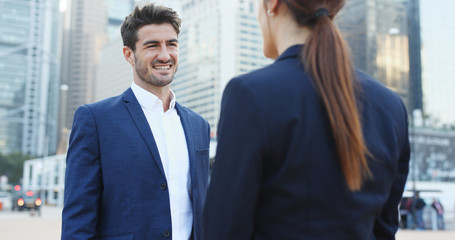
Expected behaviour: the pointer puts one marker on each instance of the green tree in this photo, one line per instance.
(12, 165)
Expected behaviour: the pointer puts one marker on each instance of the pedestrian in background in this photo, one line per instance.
(403, 214)
(308, 147)
(417, 209)
(137, 164)
(410, 214)
(439, 209)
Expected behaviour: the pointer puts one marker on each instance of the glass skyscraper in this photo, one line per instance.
(377, 33)
(218, 40)
(29, 69)
(117, 10)
(85, 34)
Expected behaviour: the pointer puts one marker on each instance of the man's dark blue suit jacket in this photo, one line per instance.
(277, 174)
(115, 186)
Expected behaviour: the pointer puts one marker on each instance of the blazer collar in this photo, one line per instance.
(142, 125)
(186, 124)
(291, 52)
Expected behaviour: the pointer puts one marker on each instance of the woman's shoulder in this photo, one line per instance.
(285, 73)
(375, 93)
(374, 87)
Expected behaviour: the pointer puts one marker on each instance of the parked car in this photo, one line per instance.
(26, 200)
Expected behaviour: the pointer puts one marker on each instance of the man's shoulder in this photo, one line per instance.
(107, 103)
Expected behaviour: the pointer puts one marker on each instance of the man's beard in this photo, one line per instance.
(150, 78)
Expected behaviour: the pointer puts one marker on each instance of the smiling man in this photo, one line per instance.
(137, 164)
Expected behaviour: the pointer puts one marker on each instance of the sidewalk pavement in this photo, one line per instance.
(425, 235)
(47, 226)
(26, 225)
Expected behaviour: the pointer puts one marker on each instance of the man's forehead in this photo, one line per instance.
(164, 30)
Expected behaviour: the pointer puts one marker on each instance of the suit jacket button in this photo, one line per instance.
(163, 186)
(166, 233)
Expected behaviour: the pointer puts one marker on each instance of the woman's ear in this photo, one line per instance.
(272, 7)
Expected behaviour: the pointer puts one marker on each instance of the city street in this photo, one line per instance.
(24, 226)
(425, 235)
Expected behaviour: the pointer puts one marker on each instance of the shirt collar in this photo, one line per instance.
(149, 100)
(173, 100)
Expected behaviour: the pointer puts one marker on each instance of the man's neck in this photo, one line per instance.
(163, 93)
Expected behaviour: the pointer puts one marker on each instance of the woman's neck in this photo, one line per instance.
(290, 34)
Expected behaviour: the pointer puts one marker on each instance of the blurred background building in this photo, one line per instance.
(406, 45)
(30, 44)
(438, 61)
(377, 33)
(117, 10)
(219, 40)
(53, 61)
(415, 55)
(114, 74)
(47, 177)
(85, 33)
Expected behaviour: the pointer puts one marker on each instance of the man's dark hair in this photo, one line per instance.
(149, 14)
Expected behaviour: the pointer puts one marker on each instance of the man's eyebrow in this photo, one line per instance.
(174, 40)
(150, 42)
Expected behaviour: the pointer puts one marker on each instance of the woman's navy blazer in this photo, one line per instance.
(277, 174)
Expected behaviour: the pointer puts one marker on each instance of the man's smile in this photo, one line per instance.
(162, 67)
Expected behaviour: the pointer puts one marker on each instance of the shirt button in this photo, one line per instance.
(166, 233)
(163, 186)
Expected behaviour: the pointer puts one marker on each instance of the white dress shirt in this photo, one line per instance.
(171, 142)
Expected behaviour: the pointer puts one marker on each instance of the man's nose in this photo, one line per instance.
(164, 55)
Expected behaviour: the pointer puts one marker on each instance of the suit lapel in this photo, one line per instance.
(142, 125)
(184, 119)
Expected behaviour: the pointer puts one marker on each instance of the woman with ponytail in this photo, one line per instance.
(308, 147)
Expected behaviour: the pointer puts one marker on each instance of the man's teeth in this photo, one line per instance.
(162, 67)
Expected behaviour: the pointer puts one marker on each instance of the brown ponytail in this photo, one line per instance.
(326, 58)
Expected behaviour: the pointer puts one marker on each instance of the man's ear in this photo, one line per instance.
(129, 55)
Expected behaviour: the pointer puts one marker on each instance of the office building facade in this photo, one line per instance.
(46, 177)
(218, 40)
(114, 74)
(29, 75)
(85, 34)
(438, 51)
(377, 32)
(415, 56)
(117, 10)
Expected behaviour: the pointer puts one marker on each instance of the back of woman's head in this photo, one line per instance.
(326, 58)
